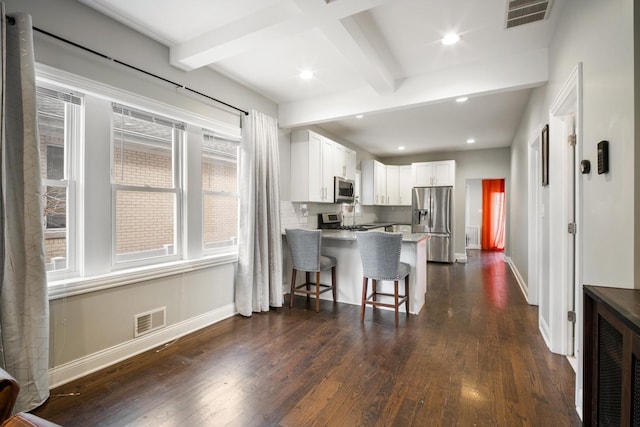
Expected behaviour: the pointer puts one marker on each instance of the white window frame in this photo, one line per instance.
(73, 131)
(94, 268)
(229, 248)
(119, 261)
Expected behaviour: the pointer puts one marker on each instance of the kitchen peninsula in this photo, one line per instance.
(342, 245)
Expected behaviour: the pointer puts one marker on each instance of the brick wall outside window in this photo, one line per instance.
(144, 220)
(220, 210)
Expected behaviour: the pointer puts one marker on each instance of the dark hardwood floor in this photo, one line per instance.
(473, 356)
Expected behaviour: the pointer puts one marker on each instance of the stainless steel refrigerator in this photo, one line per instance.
(431, 213)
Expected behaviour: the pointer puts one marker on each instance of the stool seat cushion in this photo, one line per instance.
(327, 262)
(403, 270)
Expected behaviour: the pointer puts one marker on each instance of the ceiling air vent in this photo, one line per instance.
(150, 321)
(520, 12)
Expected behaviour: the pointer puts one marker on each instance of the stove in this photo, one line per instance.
(333, 221)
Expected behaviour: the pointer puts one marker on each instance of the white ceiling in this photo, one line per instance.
(380, 58)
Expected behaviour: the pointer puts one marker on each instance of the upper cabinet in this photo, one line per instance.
(344, 161)
(374, 183)
(404, 185)
(397, 184)
(393, 185)
(434, 174)
(315, 160)
(390, 185)
(311, 167)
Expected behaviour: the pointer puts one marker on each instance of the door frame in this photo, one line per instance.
(568, 103)
(535, 227)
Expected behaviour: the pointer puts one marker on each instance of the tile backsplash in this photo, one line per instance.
(290, 217)
(305, 215)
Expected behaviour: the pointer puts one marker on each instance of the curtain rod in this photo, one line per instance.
(246, 113)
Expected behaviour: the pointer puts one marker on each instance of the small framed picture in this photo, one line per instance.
(545, 155)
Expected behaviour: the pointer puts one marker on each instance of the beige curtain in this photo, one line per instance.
(259, 279)
(24, 315)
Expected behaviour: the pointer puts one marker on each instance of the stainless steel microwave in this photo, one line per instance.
(344, 190)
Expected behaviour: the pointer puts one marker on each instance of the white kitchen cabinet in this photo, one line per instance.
(374, 183)
(351, 164)
(434, 174)
(312, 167)
(404, 185)
(393, 185)
(344, 161)
(399, 185)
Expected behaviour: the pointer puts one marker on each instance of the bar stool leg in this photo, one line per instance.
(395, 295)
(333, 282)
(406, 292)
(365, 284)
(293, 288)
(317, 291)
(375, 290)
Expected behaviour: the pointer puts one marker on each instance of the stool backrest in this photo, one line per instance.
(305, 248)
(380, 254)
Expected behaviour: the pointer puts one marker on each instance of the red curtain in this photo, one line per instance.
(493, 214)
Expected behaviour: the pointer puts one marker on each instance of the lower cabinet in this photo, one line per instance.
(611, 356)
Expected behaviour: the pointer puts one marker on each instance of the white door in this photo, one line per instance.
(572, 230)
(564, 251)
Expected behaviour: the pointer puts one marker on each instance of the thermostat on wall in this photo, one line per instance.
(603, 157)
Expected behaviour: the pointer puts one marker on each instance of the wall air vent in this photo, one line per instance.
(520, 12)
(149, 321)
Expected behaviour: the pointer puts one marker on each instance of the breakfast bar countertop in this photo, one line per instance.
(350, 235)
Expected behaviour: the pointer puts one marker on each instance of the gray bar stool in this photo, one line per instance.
(305, 246)
(380, 255)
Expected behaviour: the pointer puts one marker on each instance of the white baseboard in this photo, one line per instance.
(462, 258)
(544, 331)
(78, 368)
(524, 288)
(579, 403)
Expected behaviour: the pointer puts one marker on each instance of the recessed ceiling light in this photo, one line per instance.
(401, 147)
(306, 74)
(450, 39)
(470, 141)
(359, 116)
(462, 99)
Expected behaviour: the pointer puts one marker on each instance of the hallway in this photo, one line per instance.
(473, 356)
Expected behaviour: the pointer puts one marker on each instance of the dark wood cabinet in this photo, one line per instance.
(611, 356)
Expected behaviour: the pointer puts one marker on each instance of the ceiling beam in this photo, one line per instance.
(336, 21)
(527, 69)
(285, 19)
(280, 20)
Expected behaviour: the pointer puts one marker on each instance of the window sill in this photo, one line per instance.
(77, 286)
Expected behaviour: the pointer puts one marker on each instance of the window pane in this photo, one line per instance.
(220, 192)
(145, 224)
(219, 165)
(55, 161)
(220, 220)
(55, 207)
(52, 119)
(142, 152)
